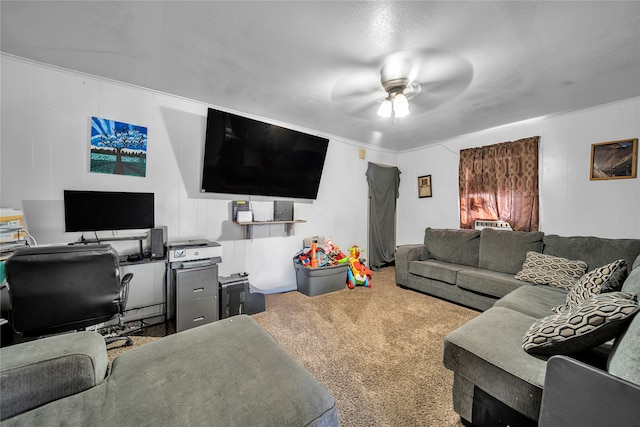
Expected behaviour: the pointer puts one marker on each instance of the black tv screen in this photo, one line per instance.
(246, 156)
(107, 210)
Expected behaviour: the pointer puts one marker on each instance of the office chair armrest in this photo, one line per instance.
(577, 394)
(127, 278)
(124, 290)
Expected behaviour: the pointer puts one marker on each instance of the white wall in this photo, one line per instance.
(570, 204)
(44, 149)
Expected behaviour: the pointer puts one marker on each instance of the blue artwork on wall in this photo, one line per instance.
(118, 148)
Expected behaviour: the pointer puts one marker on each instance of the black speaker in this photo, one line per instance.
(158, 239)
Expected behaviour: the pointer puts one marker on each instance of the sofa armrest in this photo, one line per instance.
(41, 371)
(404, 255)
(577, 394)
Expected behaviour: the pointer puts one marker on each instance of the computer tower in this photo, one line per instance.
(158, 240)
(232, 299)
(236, 296)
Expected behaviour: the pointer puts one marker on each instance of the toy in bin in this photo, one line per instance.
(320, 255)
(358, 273)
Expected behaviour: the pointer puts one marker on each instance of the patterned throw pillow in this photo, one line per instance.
(591, 323)
(542, 269)
(603, 279)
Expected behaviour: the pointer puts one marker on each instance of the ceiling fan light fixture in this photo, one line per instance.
(386, 108)
(396, 104)
(400, 105)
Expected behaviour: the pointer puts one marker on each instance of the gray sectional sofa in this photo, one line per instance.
(495, 379)
(476, 268)
(227, 373)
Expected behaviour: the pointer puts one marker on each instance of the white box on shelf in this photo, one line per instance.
(262, 211)
(244, 216)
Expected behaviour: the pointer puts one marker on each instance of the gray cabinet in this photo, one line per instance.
(196, 292)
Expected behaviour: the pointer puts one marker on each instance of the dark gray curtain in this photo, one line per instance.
(384, 182)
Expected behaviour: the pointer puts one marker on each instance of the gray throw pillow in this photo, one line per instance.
(541, 269)
(591, 323)
(607, 278)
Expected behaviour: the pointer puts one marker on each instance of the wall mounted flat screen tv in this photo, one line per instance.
(246, 156)
(107, 210)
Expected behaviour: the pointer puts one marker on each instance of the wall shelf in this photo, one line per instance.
(247, 227)
(139, 238)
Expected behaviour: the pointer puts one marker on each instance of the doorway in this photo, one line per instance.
(384, 184)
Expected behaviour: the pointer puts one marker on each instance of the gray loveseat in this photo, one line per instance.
(491, 369)
(227, 373)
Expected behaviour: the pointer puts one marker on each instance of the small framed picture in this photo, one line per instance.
(614, 160)
(424, 186)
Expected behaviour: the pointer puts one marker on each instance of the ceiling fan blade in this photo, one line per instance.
(434, 94)
(440, 75)
(357, 106)
(364, 111)
(441, 66)
(358, 92)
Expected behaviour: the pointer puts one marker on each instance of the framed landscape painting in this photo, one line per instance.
(118, 148)
(614, 160)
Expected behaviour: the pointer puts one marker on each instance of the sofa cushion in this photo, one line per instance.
(591, 323)
(437, 270)
(624, 359)
(41, 371)
(488, 282)
(595, 251)
(603, 279)
(542, 269)
(503, 328)
(487, 352)
(454, 246)
(226, 373)
(505, 251)
(270, 386)
(632, 282)
(535, 301)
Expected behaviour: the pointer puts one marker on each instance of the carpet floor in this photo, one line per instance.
(377, 350)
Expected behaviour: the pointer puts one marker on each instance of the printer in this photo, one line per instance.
(195, 250)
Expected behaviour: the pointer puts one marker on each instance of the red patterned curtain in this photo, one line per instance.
(500, 182)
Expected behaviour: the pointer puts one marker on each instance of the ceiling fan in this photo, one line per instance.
(402, 83)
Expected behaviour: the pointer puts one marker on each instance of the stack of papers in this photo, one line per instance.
(12, 233)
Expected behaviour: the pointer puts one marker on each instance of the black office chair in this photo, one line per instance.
(54, 289)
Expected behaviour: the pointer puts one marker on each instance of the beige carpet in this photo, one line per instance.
(378, 350)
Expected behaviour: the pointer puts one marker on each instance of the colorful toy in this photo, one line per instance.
(320, 255)
(339, 258)
(358, 273)
(314, 257)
